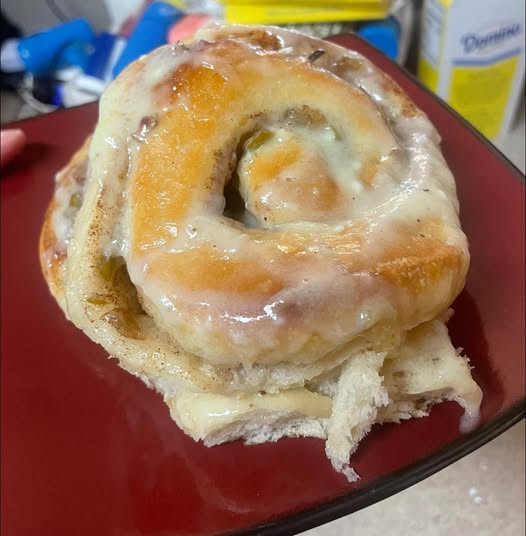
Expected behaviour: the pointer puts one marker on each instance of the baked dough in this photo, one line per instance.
(263, 228)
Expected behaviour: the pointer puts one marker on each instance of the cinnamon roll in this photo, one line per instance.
(263, 228)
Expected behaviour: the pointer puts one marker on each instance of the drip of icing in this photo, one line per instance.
(470, 419)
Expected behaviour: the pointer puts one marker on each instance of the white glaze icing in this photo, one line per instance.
(319, 297)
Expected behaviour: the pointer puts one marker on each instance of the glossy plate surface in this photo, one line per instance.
(88, 449)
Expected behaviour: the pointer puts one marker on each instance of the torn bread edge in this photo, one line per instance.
(341, 407)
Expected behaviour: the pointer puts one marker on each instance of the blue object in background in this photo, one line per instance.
(151, 31)
(102, 51)
(384, 35)
(76, 53)
(41, 52)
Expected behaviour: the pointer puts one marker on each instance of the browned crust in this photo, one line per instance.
(51, 256)
(418, 264)
(330, 52)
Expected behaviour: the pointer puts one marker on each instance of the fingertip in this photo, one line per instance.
(12, 142)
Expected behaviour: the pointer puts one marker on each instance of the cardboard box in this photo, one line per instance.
(472, 55)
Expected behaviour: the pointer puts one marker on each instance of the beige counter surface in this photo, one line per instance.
(480, 495)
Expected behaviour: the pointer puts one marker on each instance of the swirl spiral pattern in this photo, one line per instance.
(256, 209)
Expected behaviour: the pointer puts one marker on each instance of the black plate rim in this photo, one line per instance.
(387, 486)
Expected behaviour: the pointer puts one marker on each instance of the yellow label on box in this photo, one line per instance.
(480, 93)
(321, 4)
(238, 13)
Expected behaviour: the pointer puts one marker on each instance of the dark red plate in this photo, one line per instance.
(87, 449)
